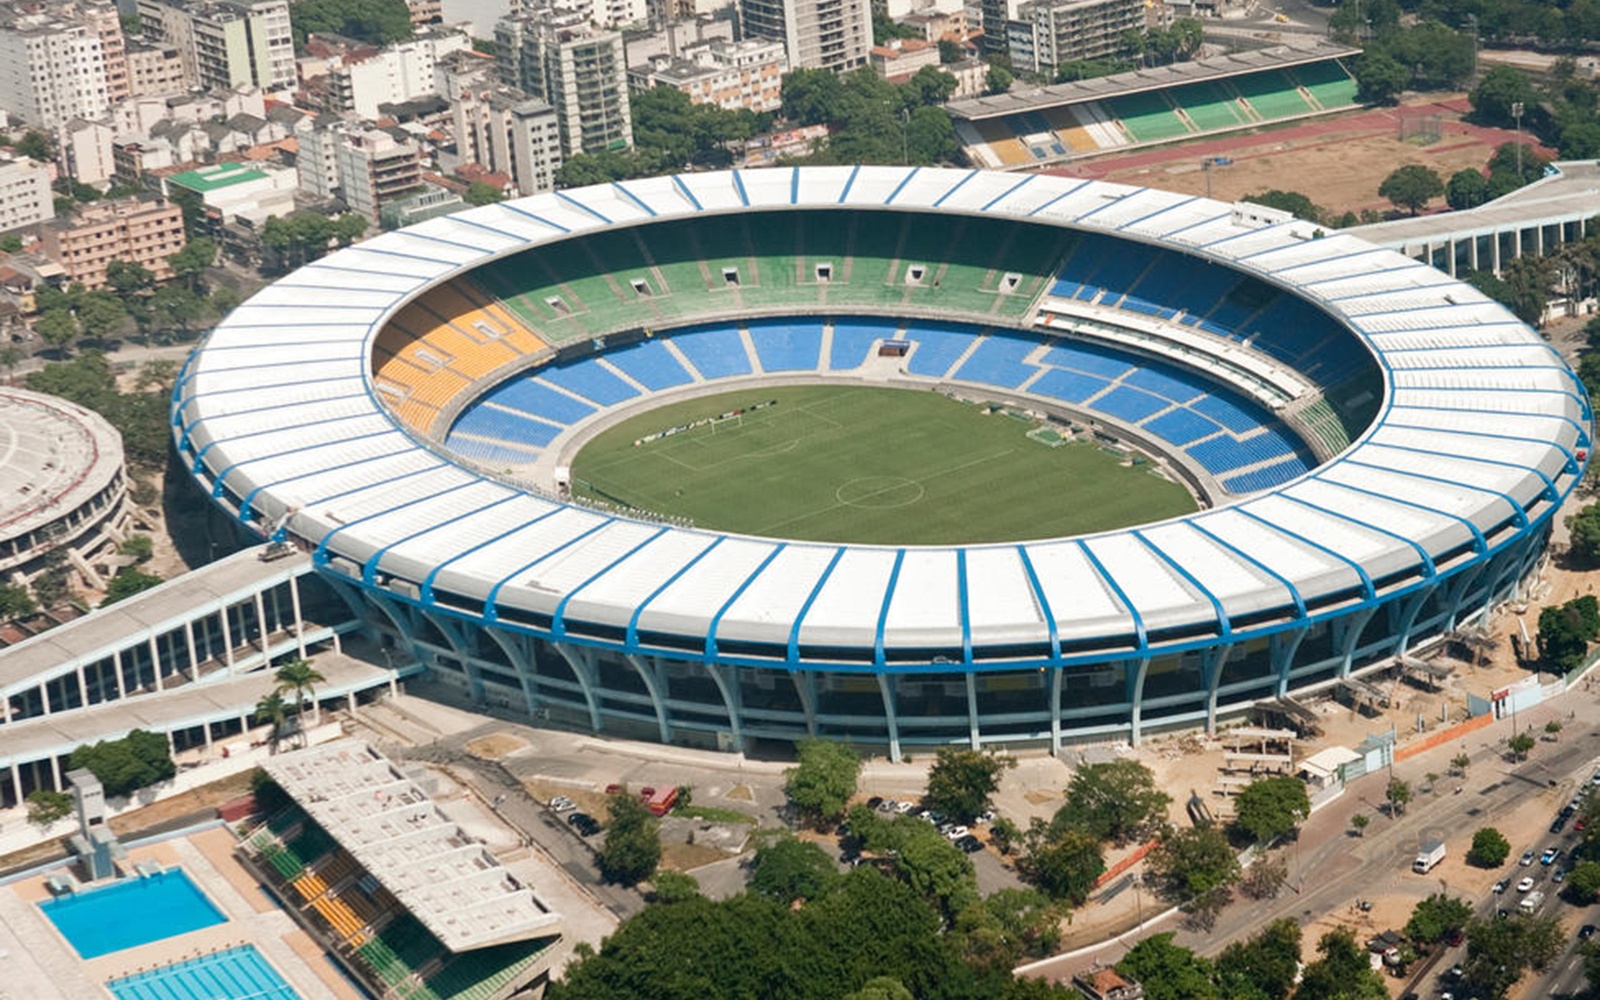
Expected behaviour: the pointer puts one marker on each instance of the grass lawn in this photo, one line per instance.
(854, 464)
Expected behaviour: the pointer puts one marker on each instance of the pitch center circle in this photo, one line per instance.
(879, 492)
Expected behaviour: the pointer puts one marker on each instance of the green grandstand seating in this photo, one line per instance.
(1208, 106)
(1322, 420)
(312, 844)
(1272, 94)
(479, 974)
(1328, 83)
(1147, 116)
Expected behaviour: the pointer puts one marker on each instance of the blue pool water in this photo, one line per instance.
(131, 912)
(235, 974)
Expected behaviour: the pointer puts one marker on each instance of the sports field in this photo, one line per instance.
(854, 464)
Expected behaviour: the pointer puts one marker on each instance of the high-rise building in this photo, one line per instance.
(367, 167)
(579, 70)
(1048, 33)
(25, 195)
(393, 75)
(226, 43)
(53, 61)
(817, 34)
(508, 132)
(140, 231)
(154, 69)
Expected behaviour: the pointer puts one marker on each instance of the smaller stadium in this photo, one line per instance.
(1153, 106)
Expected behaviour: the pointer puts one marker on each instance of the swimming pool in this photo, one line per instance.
(131, 912)
(235, 974)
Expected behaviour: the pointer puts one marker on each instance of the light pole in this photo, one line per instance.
(1472, 22)
(905, 136)
(1516, 113)
(1138, 903)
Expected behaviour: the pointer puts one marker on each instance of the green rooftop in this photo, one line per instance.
(220, 176)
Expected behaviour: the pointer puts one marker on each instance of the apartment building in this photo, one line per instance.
(817, 34)
(1048, 33)
(226, 43)
(508, 132)
(25, 195)
(139, 231)
(154, 69)
(579, 70)
(744, 75)
(367, 167)
(393, 75)
(54, 61)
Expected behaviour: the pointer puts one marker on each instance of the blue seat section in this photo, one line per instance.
(1132, 405)
(1236, 416)
(651, 365)
(938, 347)
(1295, 332)
(852, 340)
(1182, 426)
(590, 381)
(1067, 386)
(787, 345)
(1169, 382)
(485, 421)
(1225, 453)
(538, 401)
(718, 351)
(1146, 280)
(1088, 359)
(1265, 478)
(487, 452)
(998, 361)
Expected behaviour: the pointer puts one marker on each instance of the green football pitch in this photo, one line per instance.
(871, 465)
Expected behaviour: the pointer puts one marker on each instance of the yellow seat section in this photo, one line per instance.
(466, 308)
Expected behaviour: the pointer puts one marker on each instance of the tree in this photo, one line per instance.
(1265, 877)
(377, 22)
(36, 145)
(11, 243)
(1466, 189)
(140, 547)
(124, 766)
(1008, 926)
(15, 601)
(823, 781)
(632, 848)
(1168, 971)
(302, 678)
(1342, 973)
(674, 887)
(1411, 187)
(1583, 882)
(126, 583)
(1520, 744)
(1116, 801)
(1270, 808)
(1062, 862)
(1397, 794)
(1501, 88)
(1004, 834)
(950, 52)
(45, 806)
(1500, 951)
(56, 327)
(938, 871)
(1268, 962)
(961, 781)
(129, 280)
(479, 193)
(881, 987)
(190, 263)
(100, 315)
(1359, 823)
(998, 80)
(1195, 867)
(272, 711)
(1489, 848)
(1379, 77)
(1288, 201)
(1565, 632)
(1437, 917)
(787, 869)
(1553, 729)
(1460, 762)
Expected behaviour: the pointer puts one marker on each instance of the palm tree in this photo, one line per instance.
(274, 711)
(302, 678)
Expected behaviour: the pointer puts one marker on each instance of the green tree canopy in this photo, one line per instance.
(1499, 89)
(1467, 189)
(1342, 972)
(1583, 882)
(1264, 966)
(961, 781)
(1168, 971)
(1288, 201)
(1010, 926)
(124, 766)
(377, 22)
(1115, 801)
(787, 869)
(1380, 78)
(479, 193)
(1411, 187)
(1500, 952)
(45, 806)
(126, 583)
(632, 848)
(1437, 917)
(1269, 808)
(820, 785)
(1192, 863)
(1061, 861)
(1489, 848)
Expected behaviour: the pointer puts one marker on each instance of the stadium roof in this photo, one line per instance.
(442, 874)
(1571, 191)
(54, 457)
(1017, 100)
(1476, 439)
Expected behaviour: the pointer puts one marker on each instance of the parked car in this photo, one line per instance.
(957, 832)
(1586, 932)
(887, 805)
(1549, 856)
(1525, 884)
(1500, 886)
(1559, 823)
(969, 844)
(562, 804)
(585, 824)
(1527, 858)
(875, 802)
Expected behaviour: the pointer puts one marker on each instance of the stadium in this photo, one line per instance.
(1353, 453)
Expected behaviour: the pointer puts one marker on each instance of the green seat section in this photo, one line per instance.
(1328, 82)
(1322, 421)
(1209, 106)
(1147, 116)
(480, 974)
(1272, 94)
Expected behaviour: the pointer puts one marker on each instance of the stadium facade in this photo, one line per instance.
(1380, 450)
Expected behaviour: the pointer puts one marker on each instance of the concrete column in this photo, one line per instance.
(44, 697)
(55, 773)
(1055, 709)
(261, 622)
(83, 687)
(205, 727)
(972, 710)
(1136, 700)
(581, 660)
(805, 688)
(227, 640)
(652, 683)
(522, 661)
(16, 783)
(1355, 625)
(122, 684)
(155, 661)
(1283, 655)
(188, 642)
(886, 689)
(1211, 665)
(728, 685)
(299, 620)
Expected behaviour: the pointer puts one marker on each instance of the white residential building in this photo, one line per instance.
(817, 34)
(506, 131)
(579, 70)
(25, 195)
(744, 75)
(53, 63)
(226, 43)
(86, 150)
(401, 72)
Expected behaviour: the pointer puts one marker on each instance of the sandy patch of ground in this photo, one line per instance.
(496, 746)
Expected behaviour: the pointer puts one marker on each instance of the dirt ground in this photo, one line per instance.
(1337, 162)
